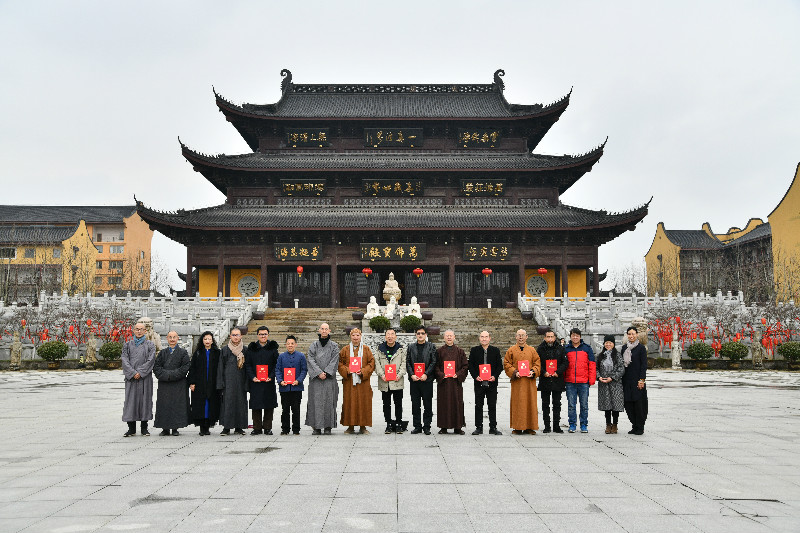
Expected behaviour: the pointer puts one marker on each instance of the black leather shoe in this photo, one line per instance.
(268, 432)
(256, 432)
(546, 429)
(317, 432)
(238, 431)
(416, 431)
(558, 429)
(458, 432)
(495, 432)
(427, 431)
(164, 433)
(478, 431)
(130, 433)
(388, 430)
(442, 431)
(175, 432)
(225, 432)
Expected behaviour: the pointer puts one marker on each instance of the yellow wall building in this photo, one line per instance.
(762, 259)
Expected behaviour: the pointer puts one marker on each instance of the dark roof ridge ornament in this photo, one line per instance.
(286, 83)
(497, 81)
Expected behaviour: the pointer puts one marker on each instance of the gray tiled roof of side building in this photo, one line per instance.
(35, 234)
(449, 216)
(692, 239)
(760, 231)
(64, 214)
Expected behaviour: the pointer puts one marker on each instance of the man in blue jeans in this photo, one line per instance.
(581, 373)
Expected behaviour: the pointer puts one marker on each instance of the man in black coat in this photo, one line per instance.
(263, 397)
(172, 402)
(634, 355)
(551, 384)
(485, 354)
(421, 352)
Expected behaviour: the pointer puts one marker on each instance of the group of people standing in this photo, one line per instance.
(219, 381)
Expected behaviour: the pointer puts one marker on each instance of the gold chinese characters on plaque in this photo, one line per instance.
(385, 187)
(487, 251)
(483, 187)
(302, 251)
(478, 138)
(404, 251)
(303, 187)
(394, 137)
(307, 138)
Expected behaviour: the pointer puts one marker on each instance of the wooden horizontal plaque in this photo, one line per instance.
(478, 138)
(487, 251)
(308, 137)
(393, 137)
(302, 251)
(483, 187)
(384, 187)
(399, 252)
(303, 187)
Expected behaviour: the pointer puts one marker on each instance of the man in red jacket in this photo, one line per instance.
(581, 373)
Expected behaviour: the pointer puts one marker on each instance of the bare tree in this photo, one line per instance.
(630, 278)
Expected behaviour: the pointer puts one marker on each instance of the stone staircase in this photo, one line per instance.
(466, 323)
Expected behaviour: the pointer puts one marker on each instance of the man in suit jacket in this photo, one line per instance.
(485, 354)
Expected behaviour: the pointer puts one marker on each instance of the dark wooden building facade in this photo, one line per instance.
(441, 178)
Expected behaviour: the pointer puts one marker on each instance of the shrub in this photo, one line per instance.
(53, 350)
(379, 323)
(699, 350)
(735, 351)
(790, 351)
(111, 350)
(410, 323)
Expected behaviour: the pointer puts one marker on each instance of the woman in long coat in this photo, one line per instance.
(172, 400)
(263, 396)
(634, 357)
(232, 383)
(356, 388)
(610, 397)
(203, 383)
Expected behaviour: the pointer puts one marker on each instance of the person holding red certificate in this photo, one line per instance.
(551, 383)
(390, 364)
(420, 366)
(356, 388)
(485, 365)
(451, 371)
(291, 370)
(259, 361)
(524, 412)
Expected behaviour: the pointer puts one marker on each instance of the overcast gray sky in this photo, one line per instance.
(699, 99)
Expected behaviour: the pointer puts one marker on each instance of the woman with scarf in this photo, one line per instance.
(203, 383)
(610, 397)
(356, 388)
(232, 383)
(634, 357)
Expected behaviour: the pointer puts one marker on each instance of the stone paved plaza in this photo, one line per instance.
(720, 454)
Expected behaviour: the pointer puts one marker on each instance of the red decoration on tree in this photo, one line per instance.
(299, 271)
(89, 322)
(23, 322)
(367, 271)
(417, 271)
(486, 272)
(72, 329)
(542, 271)
(763, 321)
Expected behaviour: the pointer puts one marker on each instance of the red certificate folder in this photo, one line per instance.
(524, 368)
(289, 375)
(262, 372)
(419, 369)
(391, 372)
(449, 369)
(485, 372)
(552, 366)
(355, 365)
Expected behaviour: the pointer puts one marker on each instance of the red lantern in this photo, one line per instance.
(542, 271)
(677, 320)
(417, 271)
(299, 271)
(763, 321)
(23, 322)
(486, 272)
(738, 336)
(89, 322)
(367, 271)
(694, 335)
(71, 329)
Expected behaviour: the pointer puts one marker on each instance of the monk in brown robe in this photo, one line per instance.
(449, 391)
(524, 409)
(357, 391)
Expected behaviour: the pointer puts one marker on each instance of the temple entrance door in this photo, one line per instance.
(473, 288)
(357, 288)
(429, 287)
(313, 288)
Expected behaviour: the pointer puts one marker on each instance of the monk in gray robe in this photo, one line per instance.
(138, 357)
(172, 399)
(323, 390)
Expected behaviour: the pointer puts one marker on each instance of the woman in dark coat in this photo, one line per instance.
(172, 403)
(263, 397)
(610, 397)
(232, 383)
(203, 383)
(634, 356)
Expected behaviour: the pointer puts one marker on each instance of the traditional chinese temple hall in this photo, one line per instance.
(438, 184)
